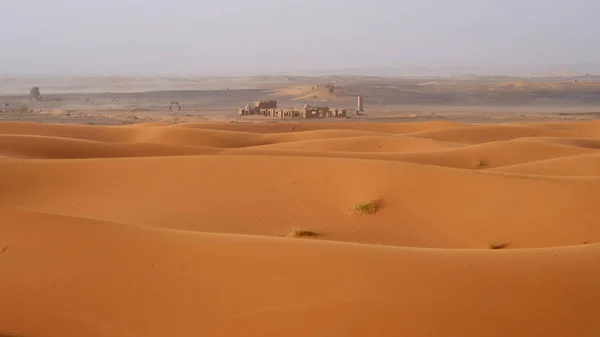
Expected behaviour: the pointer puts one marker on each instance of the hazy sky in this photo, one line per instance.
(233, 36)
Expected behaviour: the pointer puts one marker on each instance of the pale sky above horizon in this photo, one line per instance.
(243, 36)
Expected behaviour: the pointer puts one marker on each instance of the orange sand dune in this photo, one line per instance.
(426, 206)
(488, 133)
(187, 229)
(367, 144)
(576, 142)
(98, 133)
(18, 146)
(76, 277)
(481, 156)
(222, 136)
(583, 165)
(496, 154)
(395, 128)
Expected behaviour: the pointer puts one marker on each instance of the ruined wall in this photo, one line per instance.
(266, 104)
(306, 112)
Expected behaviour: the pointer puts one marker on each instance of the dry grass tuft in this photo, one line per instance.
(495, 245)
(368, 208)
(300, 232)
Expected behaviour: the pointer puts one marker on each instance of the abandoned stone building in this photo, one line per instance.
(269, 109)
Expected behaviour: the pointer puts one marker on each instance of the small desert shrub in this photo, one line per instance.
(300, 232)
(495, 245)
(481, 163)
(368, 208)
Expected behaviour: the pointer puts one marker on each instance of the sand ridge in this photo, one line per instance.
(185, 229)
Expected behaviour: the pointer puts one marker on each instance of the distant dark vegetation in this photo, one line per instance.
(498, 92)
(506, 98)
(377, 92)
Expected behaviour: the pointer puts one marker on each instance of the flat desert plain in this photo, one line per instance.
(300, 229)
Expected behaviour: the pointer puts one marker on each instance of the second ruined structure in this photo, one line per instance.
(34, 94)
(269, 109)
(175, 104)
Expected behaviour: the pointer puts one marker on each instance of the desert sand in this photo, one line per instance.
(160, 229)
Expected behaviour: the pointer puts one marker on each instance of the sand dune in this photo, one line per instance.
(18, 146)
(572, 166)
(187, 230)
(394, 128)
(307, 93)
(476, 157)
(129, 280)
(358, 143)
(490, 133)
(495, 154)
(274, 196)
(575, 142)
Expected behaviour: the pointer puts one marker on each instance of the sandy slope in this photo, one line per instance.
(27, 146)
(183, 230)
(103, 279)
(306, 93)
(582, 165)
